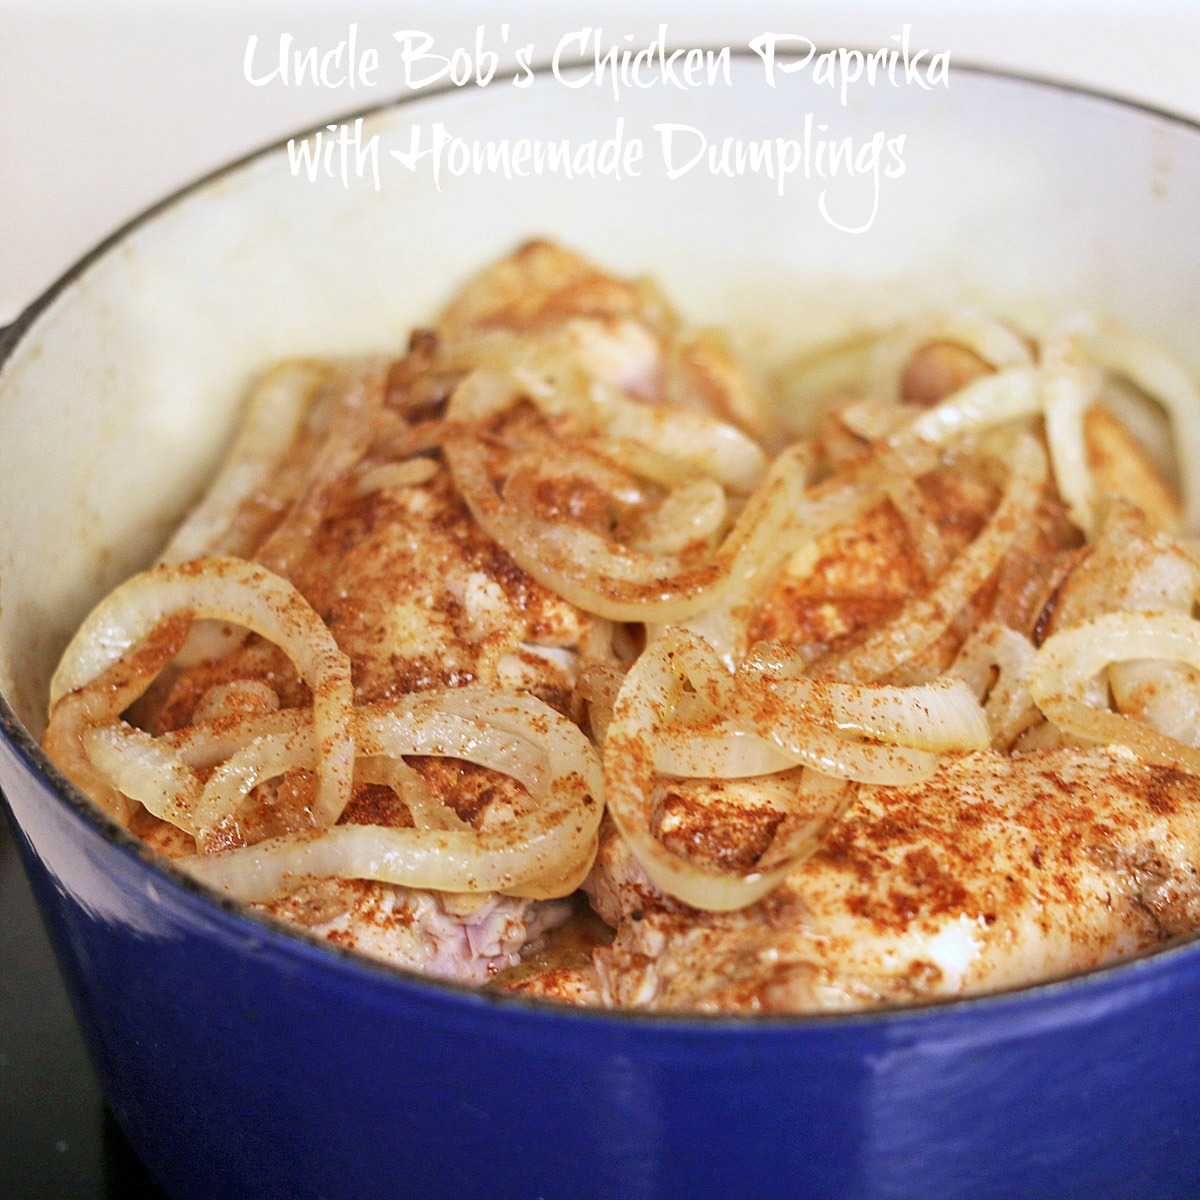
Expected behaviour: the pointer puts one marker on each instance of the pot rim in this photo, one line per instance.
(292, 940)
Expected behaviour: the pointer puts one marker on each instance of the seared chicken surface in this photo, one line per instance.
(362, 515)
(1008, 865)
(853, 786)
(998, 871)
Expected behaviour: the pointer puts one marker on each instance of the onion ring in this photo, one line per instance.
(543, 853)
(1068, 660)
(244, 593)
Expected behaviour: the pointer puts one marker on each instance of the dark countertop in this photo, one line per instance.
(57, 1139)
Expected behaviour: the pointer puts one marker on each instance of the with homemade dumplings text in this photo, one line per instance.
(812, 153)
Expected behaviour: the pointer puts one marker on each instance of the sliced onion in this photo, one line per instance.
(599, 675)
(587, 376)
(205, 745)
(599, 684)
(144, 769)
(691, 515)
(652, 463)
(229, 589)
(644, 705)
(100, 702)
(1162, 379)
(590, 571)
(542, 850)
(923, 620)
(720, 749)
(942, 715)
(1163, 695)
(1069, 660)
(1066, 398)
(1008, 705)
(442, 724)
(409, 726)
(874, 419)
(769, 714)
(348, 439)
(409, 473)
(264, 758)
(564, 880)
(807, 386)
(274, 416)
(426, 809)
(983, 404)
(823, 800)
(709, 447)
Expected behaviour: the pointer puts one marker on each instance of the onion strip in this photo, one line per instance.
(426, 810)
(274, 415)
(411, 726)
(942, 715)
(144, 769)
(1007, 703)
(1066, 398)
(981, 405)
(769, 715)
(1067, 661)
(542, 854)
(721, 749)
(590, 571)
(1162, 379)
(100, 702)
(924, 619)
(244, 593)
(644, 705)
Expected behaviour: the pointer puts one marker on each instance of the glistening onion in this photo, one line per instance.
(1070, 659)
(228, 589)
(541, 852)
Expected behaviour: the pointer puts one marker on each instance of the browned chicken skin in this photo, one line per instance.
(360, 512)
(1039, 856)
(1003, 868)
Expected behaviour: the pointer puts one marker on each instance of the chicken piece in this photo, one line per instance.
(468, 939)
(997, 871)
(559, 967)
(839, 586)
(418, 597)
(861, 573)
(1133, 567)
(1130, 567)
(1121, 467)
(621, 330)
(537, 288)
(361, 513)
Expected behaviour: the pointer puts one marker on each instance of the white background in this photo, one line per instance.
(106, 106)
